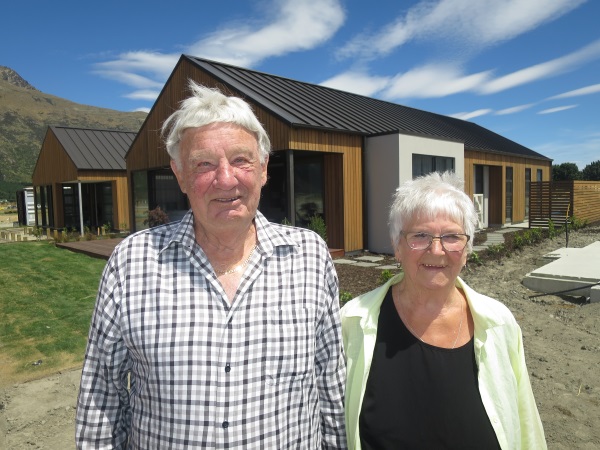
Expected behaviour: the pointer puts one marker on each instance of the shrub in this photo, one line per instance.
(345, 297)
(385, 275)
(475, 259)
(317, 224)
(156, 217)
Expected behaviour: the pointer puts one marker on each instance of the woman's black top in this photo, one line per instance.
(419, 396)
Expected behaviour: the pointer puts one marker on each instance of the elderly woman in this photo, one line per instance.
(432, 363)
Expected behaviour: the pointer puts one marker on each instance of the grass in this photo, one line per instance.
(47, 296)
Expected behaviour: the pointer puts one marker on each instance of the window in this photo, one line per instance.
(539, 175)
(424, 164)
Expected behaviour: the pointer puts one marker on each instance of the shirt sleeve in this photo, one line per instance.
(331, 367)
(103, 415)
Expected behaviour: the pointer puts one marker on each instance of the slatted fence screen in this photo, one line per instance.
(559, 200)
(550, 200)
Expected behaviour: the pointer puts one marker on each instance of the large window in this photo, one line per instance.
(424, 164)
(44, 206)
(157, 188)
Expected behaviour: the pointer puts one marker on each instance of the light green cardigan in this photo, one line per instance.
(503, 379)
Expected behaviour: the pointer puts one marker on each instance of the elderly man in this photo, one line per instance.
(222, 330)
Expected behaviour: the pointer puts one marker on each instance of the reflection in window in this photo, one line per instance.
(424, 164)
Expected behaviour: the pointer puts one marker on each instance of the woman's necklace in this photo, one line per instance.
(238, 267)
(457, 333)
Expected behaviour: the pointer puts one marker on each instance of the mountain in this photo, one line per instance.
(26, 113)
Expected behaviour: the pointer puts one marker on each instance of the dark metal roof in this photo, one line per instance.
(95, 149)
(309, 105)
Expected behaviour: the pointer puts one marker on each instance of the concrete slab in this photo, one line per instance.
(370, 258)
(366, 264)
(387, 267)
(343, 261)
(573, 271)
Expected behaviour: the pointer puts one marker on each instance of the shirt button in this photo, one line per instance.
(227, 368)
(225, 424)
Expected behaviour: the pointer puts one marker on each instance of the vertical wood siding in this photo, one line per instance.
(54, 168)
(148, 152)
(498, 164)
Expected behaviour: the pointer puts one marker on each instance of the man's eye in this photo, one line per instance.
(421, 236)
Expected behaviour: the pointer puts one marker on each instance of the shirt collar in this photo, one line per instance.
(269, 235)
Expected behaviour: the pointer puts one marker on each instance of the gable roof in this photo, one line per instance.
(312, 106)
(91, 149)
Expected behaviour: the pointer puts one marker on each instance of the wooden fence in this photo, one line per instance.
(561, 200)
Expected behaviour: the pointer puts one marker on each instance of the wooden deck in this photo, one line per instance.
(97, 248)
(102, 248)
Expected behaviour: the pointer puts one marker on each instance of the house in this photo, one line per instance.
(80, 179)
(339, 155)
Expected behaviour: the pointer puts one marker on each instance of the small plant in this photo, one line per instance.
(475, 259)
(385, 275)
(345, 297)
(552, 231)
(87, 234)
(37, 232)
(317, 224)
(156, 217)
(106, 228)
(286, 221)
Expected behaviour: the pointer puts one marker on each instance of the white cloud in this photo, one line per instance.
(297, 25)
(552, 68)
(294, 25)
(476, 24)
(126, 69)
(357, 82)
(513, 109)
(144, 94)
(558, 109)
(433, 81)
(472, 114)
(593, 89)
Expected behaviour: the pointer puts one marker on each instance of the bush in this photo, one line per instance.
(345, 297)
(317, 224)
(156, 217)
(385, 276)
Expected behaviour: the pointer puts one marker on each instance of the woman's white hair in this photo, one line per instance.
(206, 106)
(429, 196)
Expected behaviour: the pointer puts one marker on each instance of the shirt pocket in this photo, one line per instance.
(291, 335)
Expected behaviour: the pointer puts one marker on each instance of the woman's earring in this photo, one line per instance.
(399, 264)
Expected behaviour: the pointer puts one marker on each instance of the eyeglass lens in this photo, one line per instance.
(450, 242)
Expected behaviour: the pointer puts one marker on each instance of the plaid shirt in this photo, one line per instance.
(265, 372)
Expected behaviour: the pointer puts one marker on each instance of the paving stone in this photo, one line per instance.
(370, 258)
(343, 261)
(366, 264)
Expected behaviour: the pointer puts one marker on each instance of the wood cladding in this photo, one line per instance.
(560, 200)
(54, 168)
(343, 169)
(497, 164)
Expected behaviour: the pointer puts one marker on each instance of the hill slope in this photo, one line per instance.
(26, 113)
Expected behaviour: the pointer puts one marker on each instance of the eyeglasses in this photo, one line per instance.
(454, 242)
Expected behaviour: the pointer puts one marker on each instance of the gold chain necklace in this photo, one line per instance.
(457, 333)
(239, 266)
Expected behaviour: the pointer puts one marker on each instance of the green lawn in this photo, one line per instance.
(47, 296)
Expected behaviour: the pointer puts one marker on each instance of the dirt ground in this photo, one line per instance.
(561, 336)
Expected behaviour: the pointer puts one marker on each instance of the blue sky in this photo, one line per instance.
(526, 69)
